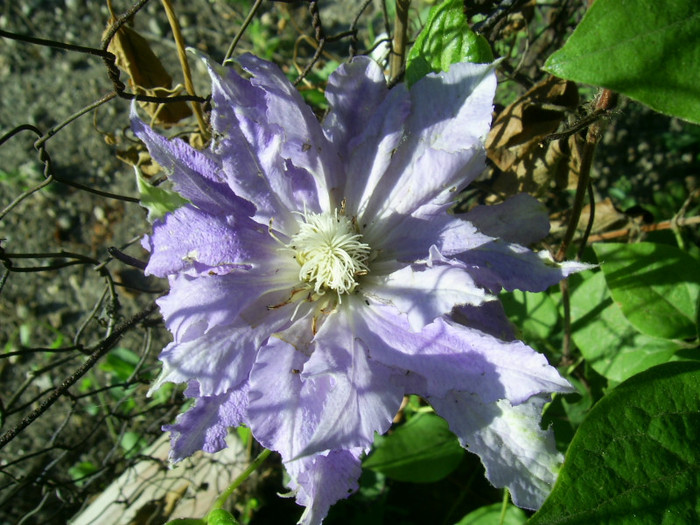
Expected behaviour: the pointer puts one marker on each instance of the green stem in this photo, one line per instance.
(219, 503)
(504, 507)
(396, 62)
(182, 56)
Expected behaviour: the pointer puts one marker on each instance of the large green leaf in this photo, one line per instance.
(635, 459)
(656, 285)
(647, 49)
(609, 343)
(491, 515)
(445, 40)
(421, 451)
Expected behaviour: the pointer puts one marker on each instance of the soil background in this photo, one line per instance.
(62, 294)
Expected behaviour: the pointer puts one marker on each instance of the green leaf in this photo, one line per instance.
(221, 517)
(566, 413)
(186, 521)
(656, 285)
(158, 201)
(422, 450)
(445, 40)
(121, 362)
(646, 49)
(535, 314)
(491, 515)
(81, 470)
(610, 344)
(132, 443)
(244, 434)
(635, 458)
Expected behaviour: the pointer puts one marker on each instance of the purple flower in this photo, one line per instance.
(316, 277)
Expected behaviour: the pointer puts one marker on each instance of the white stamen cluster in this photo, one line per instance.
(330, 251)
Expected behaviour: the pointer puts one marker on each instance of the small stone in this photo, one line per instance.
(64, 222)
(22, 311)
(99, 214)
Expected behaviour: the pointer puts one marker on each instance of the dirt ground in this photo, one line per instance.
(54, 316)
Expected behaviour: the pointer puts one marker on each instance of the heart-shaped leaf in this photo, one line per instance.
(635, 458)
(646, 49)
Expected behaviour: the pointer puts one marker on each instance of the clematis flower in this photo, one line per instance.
(316, 277)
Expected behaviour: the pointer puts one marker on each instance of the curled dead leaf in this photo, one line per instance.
(517, 144)
(147, 75)
(607, 217)
(138, 156)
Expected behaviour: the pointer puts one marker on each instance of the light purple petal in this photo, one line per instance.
(423, 292)
(444, 102)
(410, 238)
(417, 191)
(220, 359)
(456, 235)
(370, 153)
(365, 124)
(454, 357)
(355, 91)
(250, 151)
(335, 399)
(516, 452)
(191, 238)
(360, 396)
(522, 219)
(280, 418)
(196, 304)
(304, 143)
(205, 425)
(489, 318)
(195, 175)
(322, 479)
(443, 146)
(499, 265)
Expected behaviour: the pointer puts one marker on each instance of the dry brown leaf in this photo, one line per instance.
(516, 141)
(138, 156)
(607, 218)
(147, 76)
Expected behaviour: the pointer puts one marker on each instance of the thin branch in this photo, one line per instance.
(27, 351)
(101, 349)
(219, 502)
(624, 232)
(53, 43)
(352, 50)
(239, 35)
(320, 39)
(591, 220)
(75, 116)
(500, 13)
(606, 101)
(101, 193)
(110, 61)
(24, 195)
(126, 259)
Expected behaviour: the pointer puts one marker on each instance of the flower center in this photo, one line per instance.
(330, 251)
